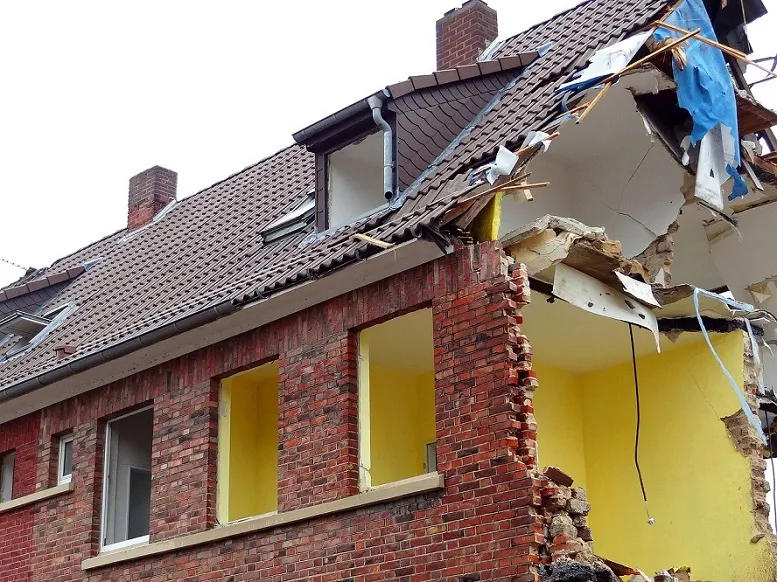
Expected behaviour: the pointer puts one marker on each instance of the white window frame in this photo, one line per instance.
(61, 477)
(106, 475)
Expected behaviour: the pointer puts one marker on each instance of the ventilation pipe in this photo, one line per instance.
(376, 103)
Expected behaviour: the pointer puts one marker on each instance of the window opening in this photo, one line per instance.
(65, 460)
(127, 486)
(248, 444)
(6, 476)
(355, 180)
(397, 433)
(292, 222)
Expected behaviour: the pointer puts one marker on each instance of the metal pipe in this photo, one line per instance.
(376, 103)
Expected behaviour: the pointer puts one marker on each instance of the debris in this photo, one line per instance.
(657, 258)
(373, 241)
(726, 49)
(654, 54)
(558, 476)
(535, 138)
(638, 290)
(592, 295)
(503, 165)
(705, 90)
(607, 61)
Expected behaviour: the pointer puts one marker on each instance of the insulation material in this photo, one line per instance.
(593, 296)
(705, 90)
(606, 62)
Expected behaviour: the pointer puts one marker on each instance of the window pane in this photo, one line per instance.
(67, 458)
(6, 476)
(139, 503)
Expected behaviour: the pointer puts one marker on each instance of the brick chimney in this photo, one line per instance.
(464, 33)
(149, 192)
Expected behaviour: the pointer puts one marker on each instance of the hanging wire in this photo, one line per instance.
(651, 521)
(18, 266)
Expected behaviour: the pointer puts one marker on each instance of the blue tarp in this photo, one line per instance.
(704, 86)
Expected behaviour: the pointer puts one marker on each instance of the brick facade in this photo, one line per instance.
(485, 521)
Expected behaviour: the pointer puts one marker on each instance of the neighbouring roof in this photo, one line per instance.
(208, 250)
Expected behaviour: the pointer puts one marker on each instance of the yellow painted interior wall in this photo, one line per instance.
(698, 484)
(402, 422)
(248, 444)
(558, 404)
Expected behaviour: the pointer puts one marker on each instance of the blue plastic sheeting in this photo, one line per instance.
(704, 86)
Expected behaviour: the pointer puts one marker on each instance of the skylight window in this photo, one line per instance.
(292, 222)
(23, 324)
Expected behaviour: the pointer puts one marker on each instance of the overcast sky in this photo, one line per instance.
(95, 92)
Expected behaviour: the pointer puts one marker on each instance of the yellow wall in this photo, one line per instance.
(402, 422)
(558, 404)
(248, 444)
(698, 484)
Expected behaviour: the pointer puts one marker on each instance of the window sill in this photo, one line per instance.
(390, 492)
(41, 495)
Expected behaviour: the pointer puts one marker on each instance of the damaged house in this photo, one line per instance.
(510, 321)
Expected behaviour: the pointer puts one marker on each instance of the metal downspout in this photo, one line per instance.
(376, 103)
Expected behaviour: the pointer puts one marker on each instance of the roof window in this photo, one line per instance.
(24, 326)
(29, 330)
(292, 222)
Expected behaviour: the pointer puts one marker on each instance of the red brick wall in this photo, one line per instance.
(463, 34)
(20, 436)
(483, 522)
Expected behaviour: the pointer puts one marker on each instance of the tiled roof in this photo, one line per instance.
(208, 249)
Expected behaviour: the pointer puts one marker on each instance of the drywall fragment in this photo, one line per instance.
(607, 61)
(555, 223)
(537, 137)
(543, 250)
(638, 290)
(592, 295)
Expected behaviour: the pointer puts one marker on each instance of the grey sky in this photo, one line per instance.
(94, 92)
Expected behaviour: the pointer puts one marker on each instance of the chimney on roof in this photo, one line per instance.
(464, 33)
(149, 192)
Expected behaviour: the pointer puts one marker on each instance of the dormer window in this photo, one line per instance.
(370, 151)
(354, 180)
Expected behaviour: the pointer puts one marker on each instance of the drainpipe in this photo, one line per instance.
(376, 103)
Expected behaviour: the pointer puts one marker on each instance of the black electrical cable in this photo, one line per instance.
(651, 521)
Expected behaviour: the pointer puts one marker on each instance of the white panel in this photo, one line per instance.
(355, 175)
